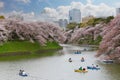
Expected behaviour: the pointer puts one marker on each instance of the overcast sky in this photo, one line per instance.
(56, 9)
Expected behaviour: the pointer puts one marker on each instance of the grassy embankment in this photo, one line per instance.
(13, 50)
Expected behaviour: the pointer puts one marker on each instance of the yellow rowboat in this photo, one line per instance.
(81, 71)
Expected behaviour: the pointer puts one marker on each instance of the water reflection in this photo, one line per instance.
(57, 67)
(38, 54)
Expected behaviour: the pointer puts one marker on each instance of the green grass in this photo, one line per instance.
(26, 46)
(17, 50)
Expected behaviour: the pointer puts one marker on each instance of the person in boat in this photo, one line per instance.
(93, 66)
(96, 66)
(82, 59)
(70, 60)
(84, 69)
(85, 49)
(80, 68)
(21, 71)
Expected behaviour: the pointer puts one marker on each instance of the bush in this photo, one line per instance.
(2, 17)
(72, 25)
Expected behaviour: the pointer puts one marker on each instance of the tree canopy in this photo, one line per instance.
(2, 17)
(91, 22)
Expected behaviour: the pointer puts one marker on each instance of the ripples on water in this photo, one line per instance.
(57, 67)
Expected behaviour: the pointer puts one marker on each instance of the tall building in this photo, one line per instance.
(117, 11)
(63, 23)
(75, 16)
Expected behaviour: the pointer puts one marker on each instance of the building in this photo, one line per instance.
(117, 11)
(63, 23)
(74, 16)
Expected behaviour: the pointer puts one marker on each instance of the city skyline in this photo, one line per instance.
(32, 9)
(75, 16)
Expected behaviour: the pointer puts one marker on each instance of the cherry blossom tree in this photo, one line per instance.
(32, 31)
(110, 45)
